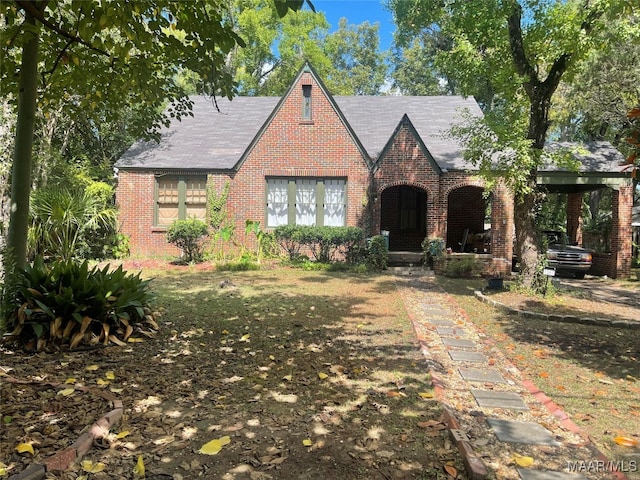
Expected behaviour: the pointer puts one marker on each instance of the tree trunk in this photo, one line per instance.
(526, 247)
(526, 204)
(21, 170)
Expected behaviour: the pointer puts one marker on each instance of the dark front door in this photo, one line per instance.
(403, 214)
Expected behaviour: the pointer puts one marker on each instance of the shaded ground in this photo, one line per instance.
(592, 297)
(310, 375)
(592, 372)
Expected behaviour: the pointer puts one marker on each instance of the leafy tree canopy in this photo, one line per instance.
(521, 50)
(93, 55)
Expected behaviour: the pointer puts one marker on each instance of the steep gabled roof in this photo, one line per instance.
(374, 120)
(406, 122)
(211, 139)
(306, 68)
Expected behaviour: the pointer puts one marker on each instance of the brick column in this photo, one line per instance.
(574, 218)
(501, 228)
(435, 219)
(621, 207)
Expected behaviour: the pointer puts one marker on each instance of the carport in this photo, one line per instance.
(601, 167)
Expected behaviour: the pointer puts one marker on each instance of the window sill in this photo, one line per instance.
(306, 122)
(159, 229)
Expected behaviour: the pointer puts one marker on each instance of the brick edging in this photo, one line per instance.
(552, 407)
(474, 466)
(568, 424)
(60, 461)
(606, 322)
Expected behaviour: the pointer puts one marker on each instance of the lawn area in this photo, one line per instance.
(309, 375)
(591, 371)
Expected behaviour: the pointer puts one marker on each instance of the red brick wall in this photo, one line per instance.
(502, 228)
(603, 264)
(574, 218)
(292, 147)
(405, 164)
(136, 214)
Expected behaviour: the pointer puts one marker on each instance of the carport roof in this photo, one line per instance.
(597, 156)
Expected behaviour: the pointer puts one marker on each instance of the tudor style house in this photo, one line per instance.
(383, 163)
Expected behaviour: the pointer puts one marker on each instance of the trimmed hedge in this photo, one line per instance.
(325, 244)
(188, 235)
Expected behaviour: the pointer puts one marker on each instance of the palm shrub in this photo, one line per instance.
(189, 236)
(65, 301)
(64, 223)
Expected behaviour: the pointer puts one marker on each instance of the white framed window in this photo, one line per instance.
(306, 201)
(335, 202)
(277, 202)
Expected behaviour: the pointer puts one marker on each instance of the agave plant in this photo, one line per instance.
(62, 219)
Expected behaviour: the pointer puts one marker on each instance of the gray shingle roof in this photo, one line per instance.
(217, 140)
(211, 139)
(374, 120)
(598, 156)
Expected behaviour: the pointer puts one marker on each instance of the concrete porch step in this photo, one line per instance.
(400, 258)
(411, 271)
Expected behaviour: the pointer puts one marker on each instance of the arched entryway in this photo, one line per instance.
(403, 213)
(467, 216)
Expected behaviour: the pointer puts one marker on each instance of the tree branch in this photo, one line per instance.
(558, 68)
(516, 42)
(38, 14)
(61, 54)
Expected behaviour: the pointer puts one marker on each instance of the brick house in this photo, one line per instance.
(381, 163)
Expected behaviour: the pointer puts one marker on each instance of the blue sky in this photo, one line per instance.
(356, 12)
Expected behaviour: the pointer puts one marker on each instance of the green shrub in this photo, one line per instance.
(121, 246)
(189, 236)
(66, 302)
(377, 254)
(288, 238)
(433, 248)
(324, 243)
(463, 267)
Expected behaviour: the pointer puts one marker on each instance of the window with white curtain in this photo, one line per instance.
(306, 201)
(334, 203)
(277, 202)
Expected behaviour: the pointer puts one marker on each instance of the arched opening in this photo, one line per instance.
(403, 213)
(468, 220)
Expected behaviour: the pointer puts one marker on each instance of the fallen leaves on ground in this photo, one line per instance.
(247, 381)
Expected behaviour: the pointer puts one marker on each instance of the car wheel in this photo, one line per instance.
(580, 275)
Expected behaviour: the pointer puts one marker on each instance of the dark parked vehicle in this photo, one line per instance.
(565, 258)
